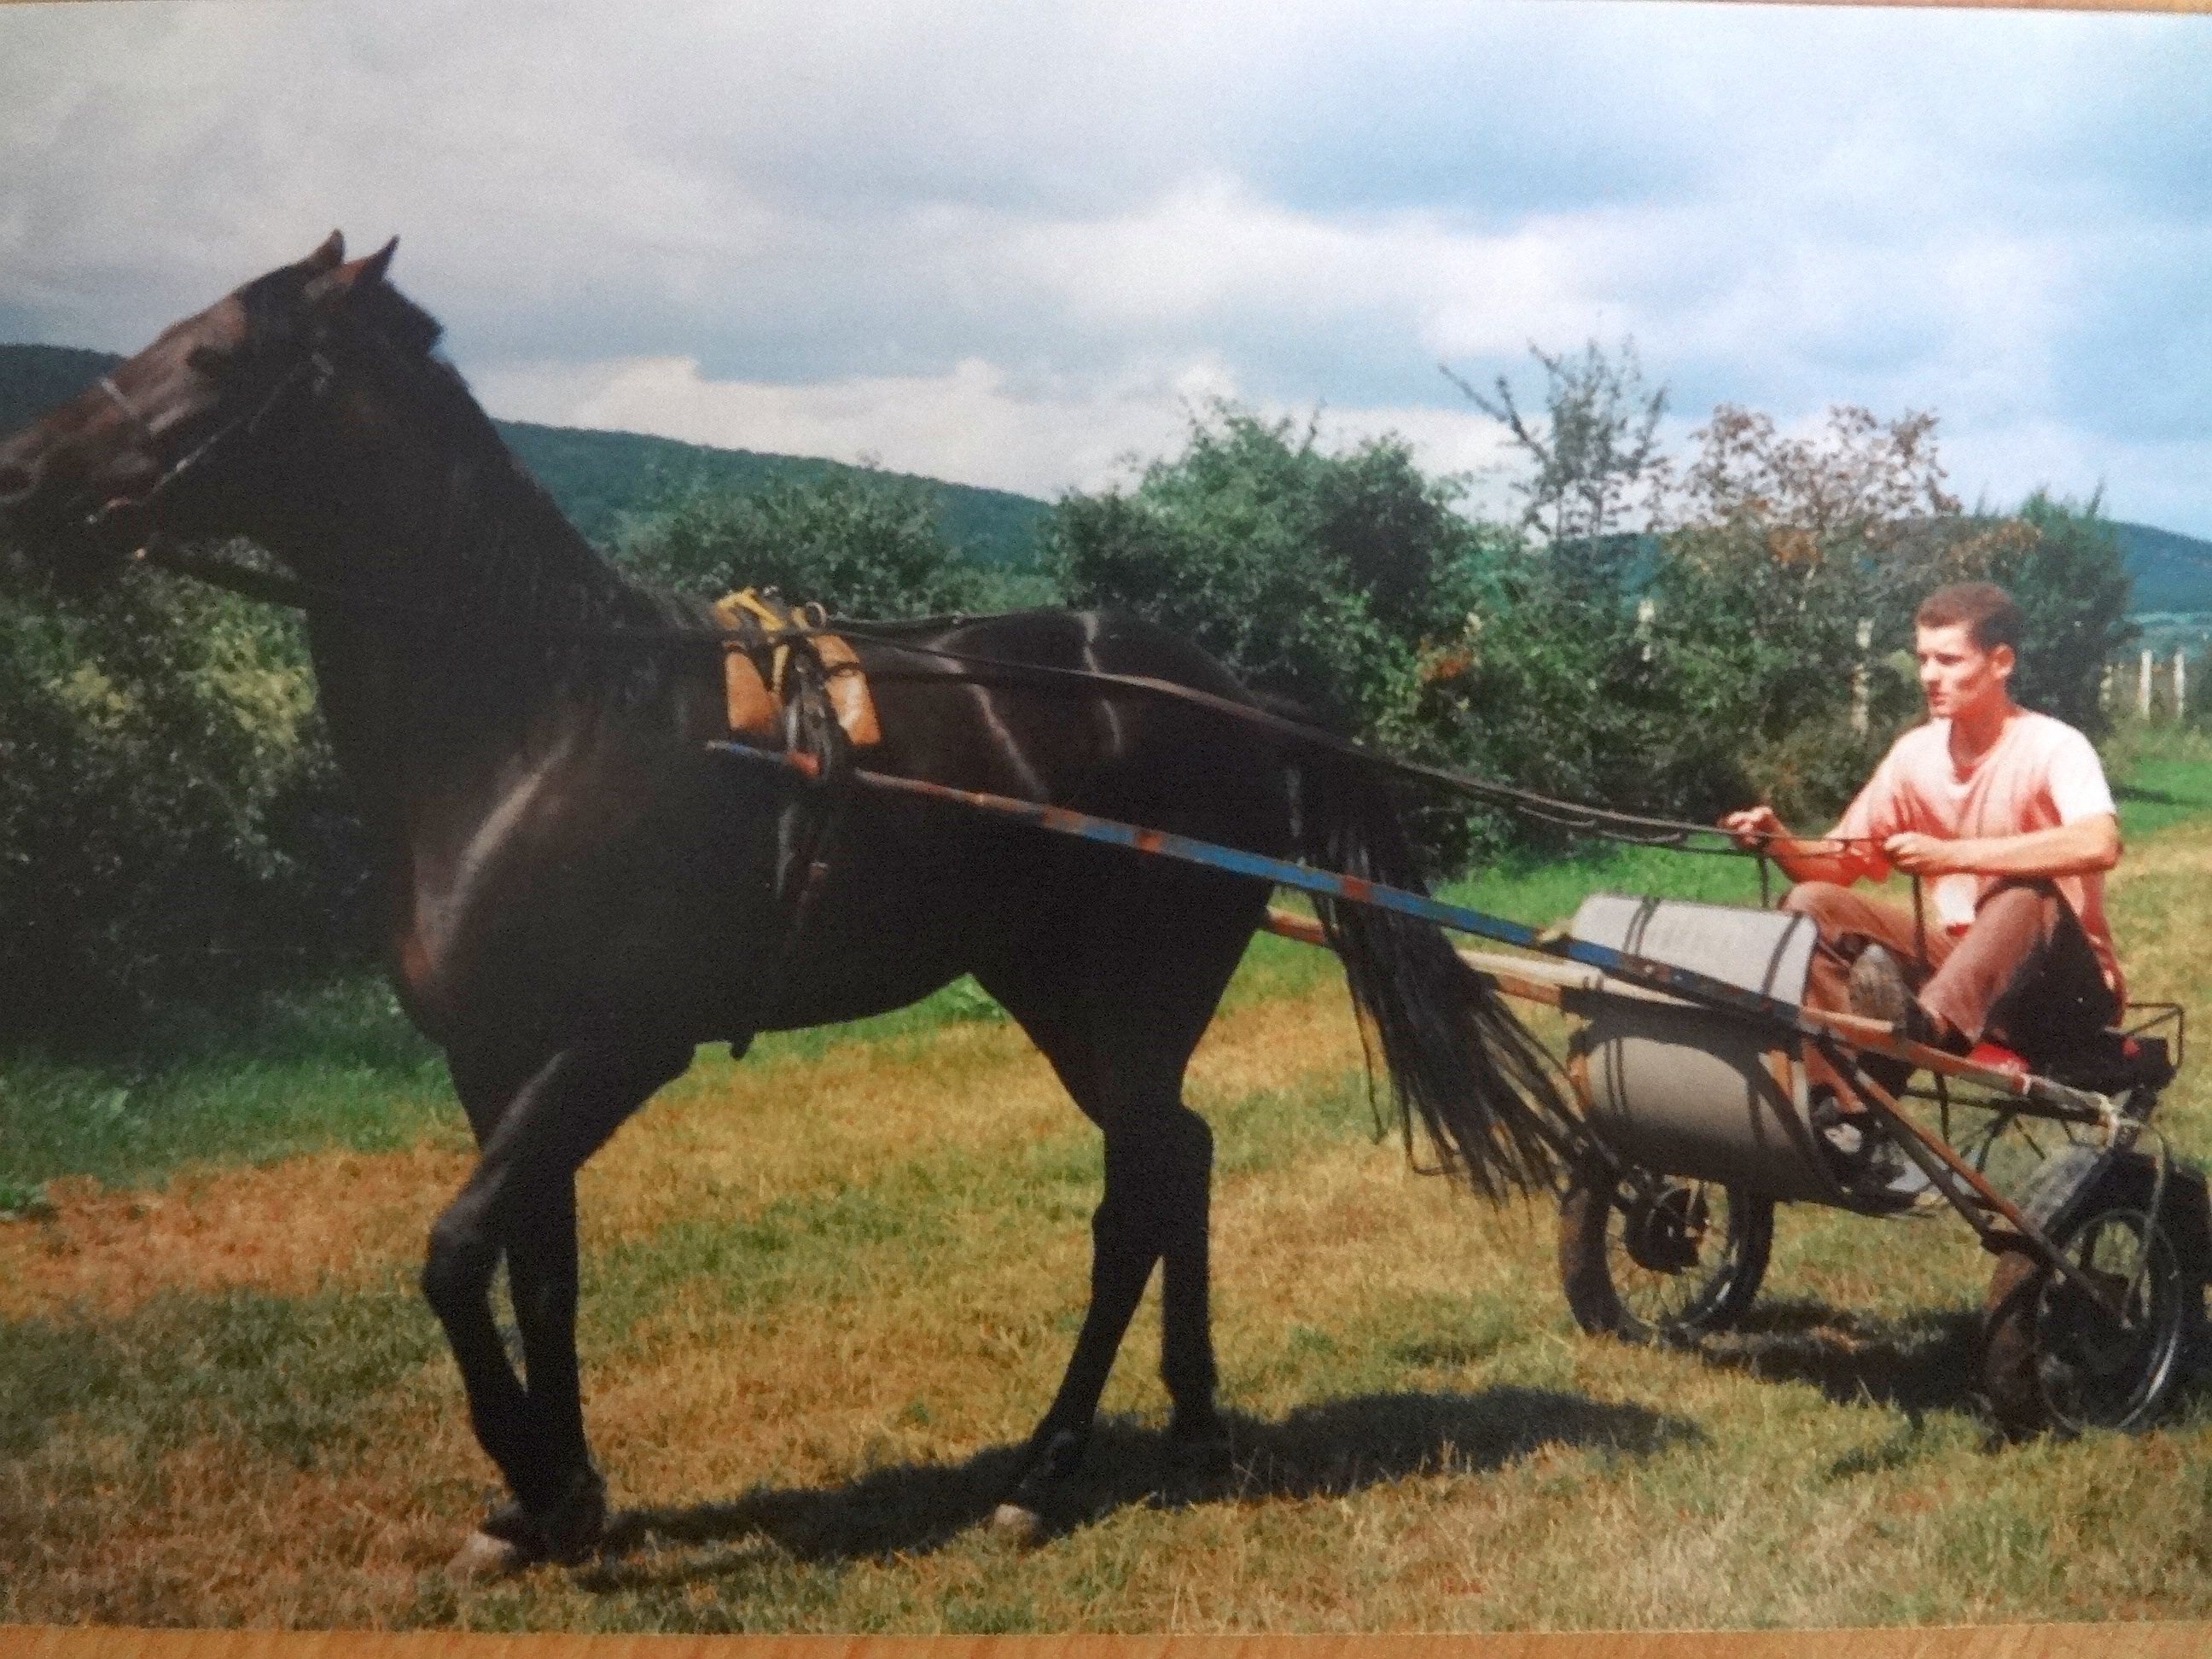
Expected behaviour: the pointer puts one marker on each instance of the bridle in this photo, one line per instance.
(312, 361)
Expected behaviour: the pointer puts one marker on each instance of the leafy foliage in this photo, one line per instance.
(2074, 590)
(1670, 636)
(862, 547)
(1596, 447)
(169, 818)
(1316, 576)
(1788, 561)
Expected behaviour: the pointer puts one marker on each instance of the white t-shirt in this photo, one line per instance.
(2040, 772)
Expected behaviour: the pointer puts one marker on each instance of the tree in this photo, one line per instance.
(1317, 576)
(861, 547)
(1595, 448)
(170, 819)
(2074, 590)
(1778, 549)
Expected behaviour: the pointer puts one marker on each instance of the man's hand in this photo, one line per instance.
(1759, 830)
(1922, 855)
(1754, 827)
(2083, 847)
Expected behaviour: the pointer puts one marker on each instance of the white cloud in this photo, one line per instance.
(814, 203)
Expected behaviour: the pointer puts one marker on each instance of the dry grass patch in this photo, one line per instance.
(728, 1139)
(287, 1229)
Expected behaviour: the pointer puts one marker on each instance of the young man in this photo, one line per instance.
(2007, 818)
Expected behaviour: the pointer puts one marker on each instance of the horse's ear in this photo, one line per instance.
(328, 257)
(348, 279)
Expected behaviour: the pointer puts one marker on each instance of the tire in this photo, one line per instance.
(2052, 1359)
(1648, 1258)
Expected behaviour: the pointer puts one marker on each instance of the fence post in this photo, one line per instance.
(2181, 683)
(2143, 686)
(1859, 679)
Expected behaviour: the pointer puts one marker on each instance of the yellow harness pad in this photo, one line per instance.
(755, 701)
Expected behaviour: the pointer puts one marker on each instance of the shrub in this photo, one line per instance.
(170, 822)
(1316, 576)
(859, 548)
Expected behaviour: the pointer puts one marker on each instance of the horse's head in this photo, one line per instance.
(165, 442)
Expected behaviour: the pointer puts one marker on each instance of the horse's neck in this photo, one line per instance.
(465, 604)
(451, 526)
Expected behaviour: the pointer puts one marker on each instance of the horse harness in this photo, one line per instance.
(790, 684)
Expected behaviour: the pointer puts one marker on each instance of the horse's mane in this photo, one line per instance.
(491, 543)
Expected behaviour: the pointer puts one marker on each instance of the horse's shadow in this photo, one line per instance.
(1921, 1362)
(1340, 1447)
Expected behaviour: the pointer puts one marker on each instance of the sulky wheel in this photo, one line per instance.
(1645, 1257)
(2053, 1358)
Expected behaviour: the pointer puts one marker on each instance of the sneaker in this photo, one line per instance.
(1847, 1139)
(1879, 991)
(1840, 1130)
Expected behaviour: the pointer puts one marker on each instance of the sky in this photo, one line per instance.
(1022, 245)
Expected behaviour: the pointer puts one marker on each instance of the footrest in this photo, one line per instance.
(1995, 1057)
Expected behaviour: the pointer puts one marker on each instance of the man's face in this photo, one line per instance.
(1957, 677)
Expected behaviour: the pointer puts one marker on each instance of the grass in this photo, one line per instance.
(220, 1401)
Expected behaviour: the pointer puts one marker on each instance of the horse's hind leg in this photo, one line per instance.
(1198, 1440)
(1119, 1023)
(520, 1203)
(1156, 1171)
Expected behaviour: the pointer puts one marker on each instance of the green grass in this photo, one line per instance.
(1422, 1441)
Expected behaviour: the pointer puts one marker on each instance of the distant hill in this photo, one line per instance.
(2171, 572)
(598, 477)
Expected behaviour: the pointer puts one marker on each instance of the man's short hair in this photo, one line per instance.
(1987, 611)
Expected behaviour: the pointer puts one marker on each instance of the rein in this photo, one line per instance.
(271, 587)
(1631, 829)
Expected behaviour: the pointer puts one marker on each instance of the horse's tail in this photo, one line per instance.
(1483, 1089)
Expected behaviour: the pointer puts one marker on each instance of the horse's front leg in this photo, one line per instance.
(520, 1203)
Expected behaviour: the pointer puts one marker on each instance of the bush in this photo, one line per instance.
(170, 821)
(863, 547)
(1315, 576)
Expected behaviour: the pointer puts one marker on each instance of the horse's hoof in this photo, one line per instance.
(1018, 1525)
(566, 1531)
(483, 1556)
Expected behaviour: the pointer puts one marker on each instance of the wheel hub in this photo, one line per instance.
(1666, 1228)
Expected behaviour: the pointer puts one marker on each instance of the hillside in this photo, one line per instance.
(2171, 572)
(598, 477)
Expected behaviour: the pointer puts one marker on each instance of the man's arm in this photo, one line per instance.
(2085, 846)
(1757, 829)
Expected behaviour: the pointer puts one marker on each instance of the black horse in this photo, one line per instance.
(581, 891)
